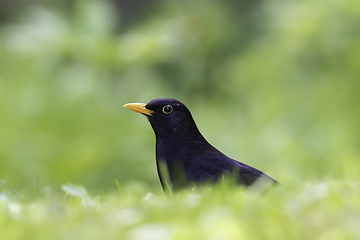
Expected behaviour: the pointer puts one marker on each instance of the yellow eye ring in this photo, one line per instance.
(167, 109)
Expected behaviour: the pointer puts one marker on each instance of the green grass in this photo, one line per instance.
(322, 210)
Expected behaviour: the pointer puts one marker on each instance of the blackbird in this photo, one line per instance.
(189, 158)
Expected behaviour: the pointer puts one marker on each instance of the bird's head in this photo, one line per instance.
(167, 116)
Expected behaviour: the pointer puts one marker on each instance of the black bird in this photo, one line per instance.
(188, 156)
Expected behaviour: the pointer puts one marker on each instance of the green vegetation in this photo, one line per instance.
(273, 84)
(326, 210)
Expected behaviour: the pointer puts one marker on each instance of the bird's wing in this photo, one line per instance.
(248, 175)
(214, 164)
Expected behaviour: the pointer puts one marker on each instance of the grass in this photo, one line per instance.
(321, 210)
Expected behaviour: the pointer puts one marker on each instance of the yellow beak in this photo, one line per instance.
(139, 107)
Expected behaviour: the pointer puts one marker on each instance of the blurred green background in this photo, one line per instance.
(274, 84)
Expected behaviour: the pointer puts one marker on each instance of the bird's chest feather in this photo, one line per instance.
(172, 150)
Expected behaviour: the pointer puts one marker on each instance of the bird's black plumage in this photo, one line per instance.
(188, 156)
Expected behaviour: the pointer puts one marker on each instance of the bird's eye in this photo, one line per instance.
(167, 109)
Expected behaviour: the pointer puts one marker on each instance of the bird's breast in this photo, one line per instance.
(169, 150)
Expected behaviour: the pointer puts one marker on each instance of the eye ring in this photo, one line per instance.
(167, 109)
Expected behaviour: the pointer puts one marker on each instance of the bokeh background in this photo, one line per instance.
(274, 84)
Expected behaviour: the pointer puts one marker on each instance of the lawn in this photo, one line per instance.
(322, 210)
